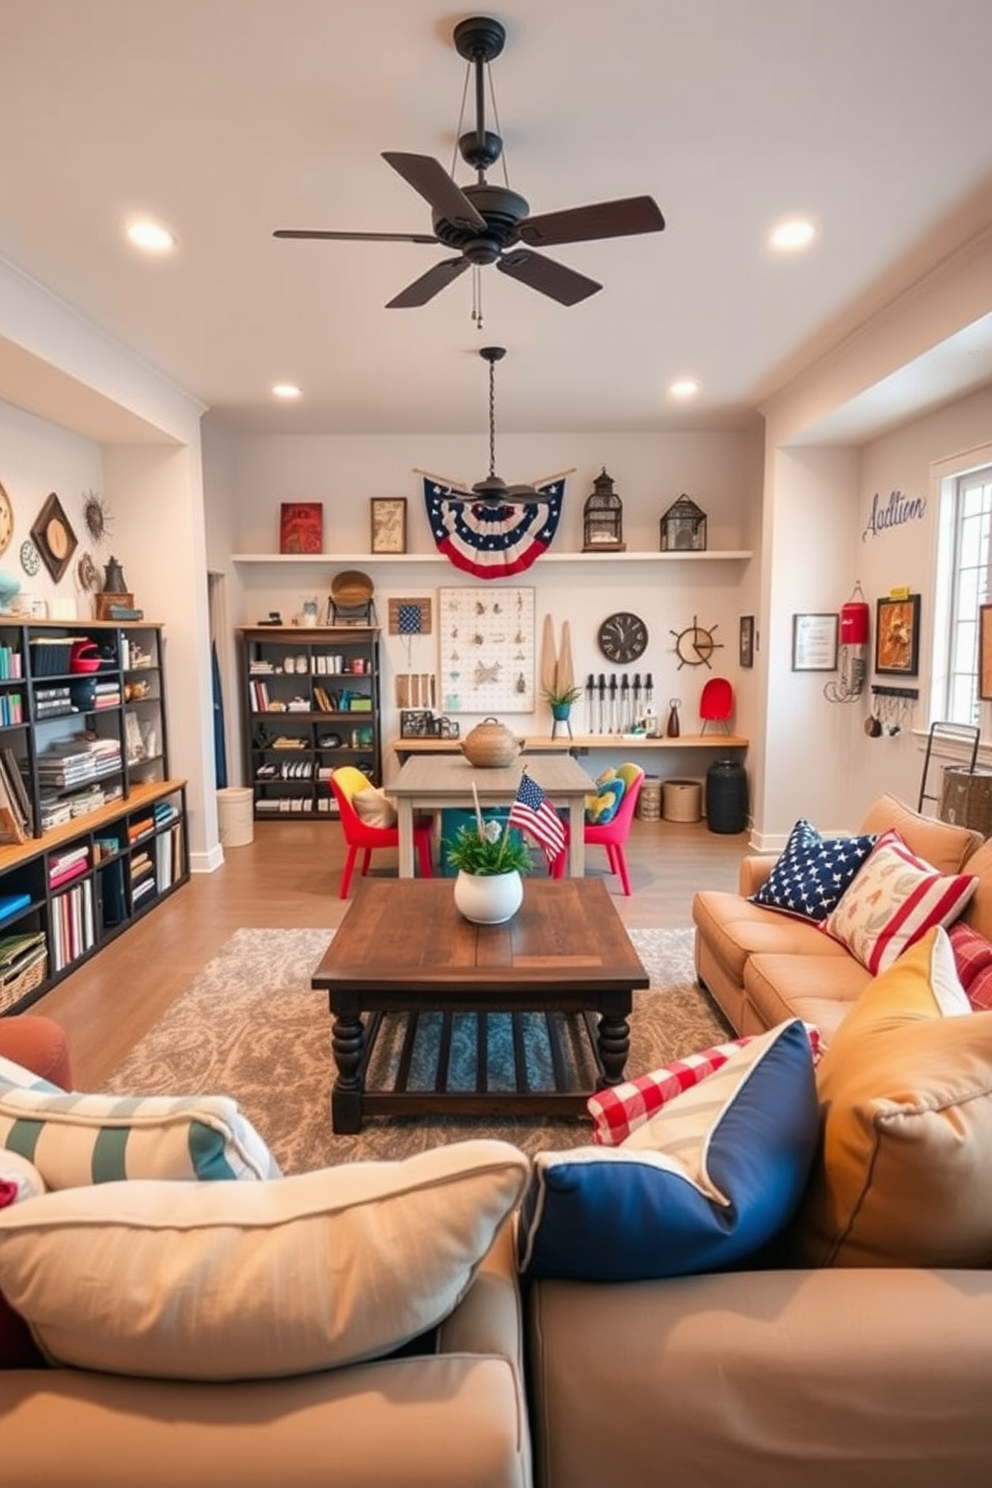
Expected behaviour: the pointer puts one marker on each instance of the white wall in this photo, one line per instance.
(720, 471)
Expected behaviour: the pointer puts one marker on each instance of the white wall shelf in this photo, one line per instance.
(322, 559)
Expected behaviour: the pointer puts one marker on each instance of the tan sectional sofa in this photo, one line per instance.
(762, 967)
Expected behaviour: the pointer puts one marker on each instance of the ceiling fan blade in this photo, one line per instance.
(429, 177)
(612, 219)
(355, 237)
(429, 284)
(547, 277)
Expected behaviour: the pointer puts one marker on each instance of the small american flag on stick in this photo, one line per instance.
(532, 812)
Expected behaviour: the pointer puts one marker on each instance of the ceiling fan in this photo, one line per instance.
(486, 222)
(492, 490)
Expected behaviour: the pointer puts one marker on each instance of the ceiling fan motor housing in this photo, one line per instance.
(502, 209)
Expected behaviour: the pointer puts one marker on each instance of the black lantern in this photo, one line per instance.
(603, 518)
(683, 527)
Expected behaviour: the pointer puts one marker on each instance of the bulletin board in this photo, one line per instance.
(487, 650)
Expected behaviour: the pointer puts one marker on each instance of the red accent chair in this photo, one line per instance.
(612, 834)
(716, 703)
(346, 782)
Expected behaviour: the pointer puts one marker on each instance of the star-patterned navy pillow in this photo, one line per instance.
(812, 872)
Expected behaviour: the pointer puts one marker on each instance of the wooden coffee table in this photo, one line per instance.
(403, 948)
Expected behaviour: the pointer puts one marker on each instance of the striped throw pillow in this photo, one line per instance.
(893, 901)
(75, 1140)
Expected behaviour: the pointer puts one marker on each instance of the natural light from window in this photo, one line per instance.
(963, 584)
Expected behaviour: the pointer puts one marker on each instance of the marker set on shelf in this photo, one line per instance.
(618, 706)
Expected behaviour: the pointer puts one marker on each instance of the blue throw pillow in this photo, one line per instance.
(812, 872)
(704, 1184)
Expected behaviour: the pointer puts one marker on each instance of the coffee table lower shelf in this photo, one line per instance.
(574, 1072)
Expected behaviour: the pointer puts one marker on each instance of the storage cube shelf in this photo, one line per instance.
(310, 698)
(92, 829)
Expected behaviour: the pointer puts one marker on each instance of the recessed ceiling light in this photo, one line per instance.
(151, 237)
(286, 390)
(684, 387)
(791, 235)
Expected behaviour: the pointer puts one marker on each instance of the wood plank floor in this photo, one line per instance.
(288, 877)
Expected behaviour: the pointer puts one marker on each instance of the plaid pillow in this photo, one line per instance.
(812, 872)
(973, 959)
(894, 900)
(621, 1109)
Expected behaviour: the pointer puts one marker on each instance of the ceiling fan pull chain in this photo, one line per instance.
(477, 298)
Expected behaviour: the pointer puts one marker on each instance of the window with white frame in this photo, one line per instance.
(962, 583)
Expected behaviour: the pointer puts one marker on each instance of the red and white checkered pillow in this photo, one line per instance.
(894, 899)
(621, 1109)
(973, 960)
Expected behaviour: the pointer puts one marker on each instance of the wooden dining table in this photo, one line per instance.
(430, 781)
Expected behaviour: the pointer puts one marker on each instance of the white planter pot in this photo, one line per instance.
(489, 899)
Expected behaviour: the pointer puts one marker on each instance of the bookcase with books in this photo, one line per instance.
(92, 829)
(310, 704)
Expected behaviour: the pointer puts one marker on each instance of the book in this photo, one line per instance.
(11, 826)
(11, 764)
(12, 904)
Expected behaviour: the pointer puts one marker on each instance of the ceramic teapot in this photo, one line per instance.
(491, 744)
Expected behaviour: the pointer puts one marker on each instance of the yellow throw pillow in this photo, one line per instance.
(904, 1176)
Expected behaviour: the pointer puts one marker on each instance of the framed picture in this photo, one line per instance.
(985, 651)
(301, 527)
(388, 520)
(814, 643)
(897, 636)
(746, 641)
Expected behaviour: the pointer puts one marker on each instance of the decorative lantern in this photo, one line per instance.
(683, 527)
(603, 518)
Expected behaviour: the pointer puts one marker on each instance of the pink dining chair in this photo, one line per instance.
(346, 782)
(612, 834)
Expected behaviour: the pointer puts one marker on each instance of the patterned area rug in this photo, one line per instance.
(251, 1027)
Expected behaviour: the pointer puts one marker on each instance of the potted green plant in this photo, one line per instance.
(490, 858)
(560, 700)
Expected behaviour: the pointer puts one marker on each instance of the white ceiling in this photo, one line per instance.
(225, 119)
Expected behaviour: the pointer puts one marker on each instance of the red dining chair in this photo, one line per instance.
(612, 834)
(346, 782)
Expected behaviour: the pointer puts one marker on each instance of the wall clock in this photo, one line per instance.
(6, 520)
(623, 637)
(695, 645)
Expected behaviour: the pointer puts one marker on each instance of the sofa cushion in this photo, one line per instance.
(973, 960)
(249, 1280)
(818, 989)
(895, 898)
(735, 929)
(812, 872)
(75, 1139)
(705, 1182)
(946, 846)
(904, 1177)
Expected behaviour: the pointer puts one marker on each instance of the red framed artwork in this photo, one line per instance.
(301, 527)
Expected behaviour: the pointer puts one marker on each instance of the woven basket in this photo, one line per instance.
(18, 984)
(966, 799)
(683, 800)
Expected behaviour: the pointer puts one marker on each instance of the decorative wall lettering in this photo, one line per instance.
(896, 512)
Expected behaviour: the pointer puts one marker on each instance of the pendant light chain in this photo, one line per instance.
(492, 419)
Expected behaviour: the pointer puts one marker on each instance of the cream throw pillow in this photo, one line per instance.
(374, 807)
(905, 1173)
(225, 1281)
